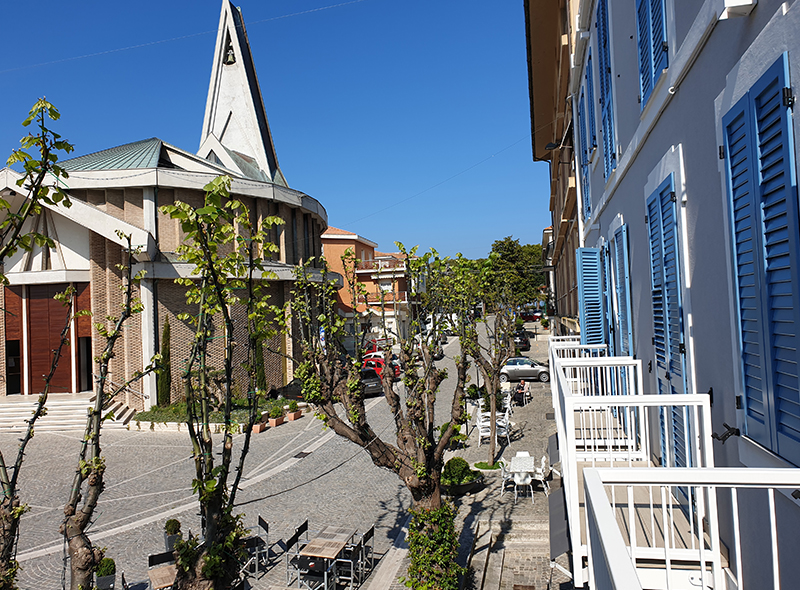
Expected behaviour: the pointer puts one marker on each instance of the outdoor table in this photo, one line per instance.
(163, 577)
(522, 465)
(328, 544)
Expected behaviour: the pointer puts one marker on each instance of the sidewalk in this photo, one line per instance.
(522, 529)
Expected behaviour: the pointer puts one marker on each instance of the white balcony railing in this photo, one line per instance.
(632, 524)
(623, 556)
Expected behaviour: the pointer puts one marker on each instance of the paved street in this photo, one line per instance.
(149, 476)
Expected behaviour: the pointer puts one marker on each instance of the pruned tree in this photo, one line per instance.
(490, 341)
(333, 385)
(13, 237)
(87, 484)
(228, 252)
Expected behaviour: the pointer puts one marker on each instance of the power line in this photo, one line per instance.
(180, 38)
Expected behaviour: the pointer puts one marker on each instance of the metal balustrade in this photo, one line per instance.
(636, 518)
(605, 420)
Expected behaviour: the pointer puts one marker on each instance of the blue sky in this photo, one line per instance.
(409, 121)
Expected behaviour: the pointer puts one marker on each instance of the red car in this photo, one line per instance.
(378, 364)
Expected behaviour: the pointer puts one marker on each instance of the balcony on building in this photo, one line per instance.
(643, 505)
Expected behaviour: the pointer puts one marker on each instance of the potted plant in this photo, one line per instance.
(294, 411)
(172, 532)
(106, 574)
(276, 415)
(458, 478)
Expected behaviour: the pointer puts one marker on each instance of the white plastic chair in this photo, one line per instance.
(506, 476)
(541, 474)
(522, 479)
(523, 454)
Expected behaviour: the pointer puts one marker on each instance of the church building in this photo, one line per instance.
(122, 188)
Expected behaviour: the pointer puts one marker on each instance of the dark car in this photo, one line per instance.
(371, 382)
(521, 340)
(521, 367)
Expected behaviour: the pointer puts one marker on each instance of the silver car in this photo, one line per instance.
(521, 367)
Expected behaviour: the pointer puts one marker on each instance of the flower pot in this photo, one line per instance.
(169, 541)
(294, 415)
(106, 582)
(259, 427)
(273, 422)
(463, 488)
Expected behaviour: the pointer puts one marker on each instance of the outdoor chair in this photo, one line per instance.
(350, 564)
(522, 480)
(252, 551)
(161, 570)
(368, 551)
(541, 474)
(293, 546)
(263, 534)
(505, 475)
(315, 574)
(523, 454)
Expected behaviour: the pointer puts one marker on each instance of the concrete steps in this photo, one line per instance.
(64, 412)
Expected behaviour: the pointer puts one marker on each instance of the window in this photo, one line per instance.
(606, 100)
(652, 46)
(584, 156)
(762, 193)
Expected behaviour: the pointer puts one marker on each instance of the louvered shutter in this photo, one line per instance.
(608, 298)
(764, 213)
(778, 201)
(606, 100)
(584, 155)
(643, 47)
(623, 284)
(740, 161)
(590, 120)
(590, 296)
(658, 35)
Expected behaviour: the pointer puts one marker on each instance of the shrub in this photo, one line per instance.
(457, 471)
(164, 383)
(106, 567)
(293, 407)
(172, 526)
(545, 323)
(276, 411)
(433, 549)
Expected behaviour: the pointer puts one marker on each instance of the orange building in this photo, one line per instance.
(383, 277)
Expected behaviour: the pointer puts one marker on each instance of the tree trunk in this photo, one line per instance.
(83, 556)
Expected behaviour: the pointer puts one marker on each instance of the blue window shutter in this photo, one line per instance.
(780, 248)
(657, 279)
(606, 100)
(737, 128)
(658, 35)
(608, 299)
(590, 296)
(651, 44)
(590, 120)
(584, 155)
(623, 290)
(643, 46)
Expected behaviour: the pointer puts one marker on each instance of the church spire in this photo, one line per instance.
(235, 129)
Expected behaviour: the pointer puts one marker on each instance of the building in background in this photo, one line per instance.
(384, 308)
(549, 42)
(121, 189)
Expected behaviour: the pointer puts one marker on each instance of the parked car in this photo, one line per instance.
(377, 364)
(521, 367)
(377, 345)
(522, 341)
(530, 315)
(371, 382)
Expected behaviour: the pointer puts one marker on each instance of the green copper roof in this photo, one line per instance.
(139, 154)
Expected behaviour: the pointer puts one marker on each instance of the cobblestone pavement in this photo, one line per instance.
(148, 480)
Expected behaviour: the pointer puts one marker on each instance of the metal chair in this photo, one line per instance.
(293, 557)
(522, 480)
(263, 534)
(315, 574)
(161, 570)
(368, 551)
(350, 564)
